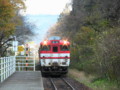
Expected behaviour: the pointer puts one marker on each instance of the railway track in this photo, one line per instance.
(72, 88)
(61, 84)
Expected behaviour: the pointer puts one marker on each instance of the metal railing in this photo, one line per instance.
(25, 63)
(7, 67)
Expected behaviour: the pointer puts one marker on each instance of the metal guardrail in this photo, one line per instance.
(25, 63)
(7, 67)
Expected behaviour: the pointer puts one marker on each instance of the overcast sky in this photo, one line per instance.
(51, 7)
(43, 14)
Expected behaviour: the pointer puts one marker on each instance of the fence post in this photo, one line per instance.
(14, 63)
(6, 71)
(8, 66)
(2, 69)
(1, 72)
(34, 62)
(19, 66)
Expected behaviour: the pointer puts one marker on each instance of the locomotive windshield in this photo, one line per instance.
(55, 49)
(55, 38)
(45, 48)
(64, 48)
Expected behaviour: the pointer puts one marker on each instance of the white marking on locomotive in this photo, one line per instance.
(55, 55)
(48, 62)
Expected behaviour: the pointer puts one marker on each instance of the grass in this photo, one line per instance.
(104, 84)
(92, 81)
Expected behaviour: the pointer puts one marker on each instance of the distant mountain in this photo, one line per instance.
(42, 23)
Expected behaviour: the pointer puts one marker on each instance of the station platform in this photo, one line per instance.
(23, 80)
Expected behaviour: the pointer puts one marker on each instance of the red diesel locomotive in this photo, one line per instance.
(54, 55)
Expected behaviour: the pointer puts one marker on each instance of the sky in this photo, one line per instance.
(42, 24)
(51, 7)
(43, 14)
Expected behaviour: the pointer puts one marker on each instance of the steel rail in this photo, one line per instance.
(68, 84)
(55, 88)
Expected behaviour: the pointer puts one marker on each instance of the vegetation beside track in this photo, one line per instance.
(93, 81)
(93, 28)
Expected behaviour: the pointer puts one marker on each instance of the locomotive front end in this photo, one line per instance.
(54, 56)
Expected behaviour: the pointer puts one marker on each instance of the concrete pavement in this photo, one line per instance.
(24, 80)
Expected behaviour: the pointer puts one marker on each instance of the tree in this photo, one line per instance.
(24, 31)
(8, 11)
(93, 30)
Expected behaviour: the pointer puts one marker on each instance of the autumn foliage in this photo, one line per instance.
(8, 21)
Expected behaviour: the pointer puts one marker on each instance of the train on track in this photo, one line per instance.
(54, 56)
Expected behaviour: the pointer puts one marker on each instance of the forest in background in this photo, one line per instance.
(93, 28)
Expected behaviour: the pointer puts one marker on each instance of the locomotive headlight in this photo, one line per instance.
(65, 42)
(45, 42)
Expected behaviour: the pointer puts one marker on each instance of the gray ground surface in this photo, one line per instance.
(29, 80)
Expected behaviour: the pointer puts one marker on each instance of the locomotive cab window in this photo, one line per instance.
(45, 48)
(55, 49)
(64, 48)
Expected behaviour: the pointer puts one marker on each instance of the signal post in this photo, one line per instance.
(27, 54)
